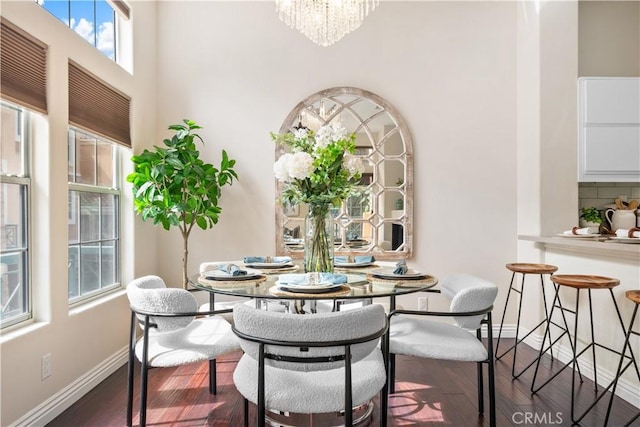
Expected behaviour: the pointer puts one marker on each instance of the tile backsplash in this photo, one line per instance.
(599, 194)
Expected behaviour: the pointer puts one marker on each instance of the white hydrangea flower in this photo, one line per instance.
(281, 167)
(300, 165)
(353, 164)
(300, 134)
(338, 132)
(324, 137)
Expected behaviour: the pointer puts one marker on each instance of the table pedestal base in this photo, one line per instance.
(361, 414)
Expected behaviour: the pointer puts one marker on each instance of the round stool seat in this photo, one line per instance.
(633, 296)
(525, 268)
(580, 281)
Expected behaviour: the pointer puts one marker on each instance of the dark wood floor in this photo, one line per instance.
(428, 393)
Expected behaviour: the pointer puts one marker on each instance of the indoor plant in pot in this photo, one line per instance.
(175, 188)
(590, 217)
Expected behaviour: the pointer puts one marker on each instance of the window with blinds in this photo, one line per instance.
(23, 65)
(97, 107)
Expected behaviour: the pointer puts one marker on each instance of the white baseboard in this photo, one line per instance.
(58, 403)
(508, 331)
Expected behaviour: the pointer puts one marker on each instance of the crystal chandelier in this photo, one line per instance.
(324, 21)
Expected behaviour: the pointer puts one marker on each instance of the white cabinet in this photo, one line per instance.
(609, 134)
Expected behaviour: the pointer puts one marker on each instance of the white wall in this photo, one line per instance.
(87, 342)
(449, 68)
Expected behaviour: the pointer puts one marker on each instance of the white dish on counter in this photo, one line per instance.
(578, 236)
(625, 239)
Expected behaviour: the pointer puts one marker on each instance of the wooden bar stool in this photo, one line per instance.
(588, 283)
(633, 296)
(524, 269)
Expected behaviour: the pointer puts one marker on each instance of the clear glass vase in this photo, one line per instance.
(318, 239)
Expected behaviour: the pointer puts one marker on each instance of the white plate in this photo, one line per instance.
(387, 273)
(307, 286)
(352, 264)
(578, 236)
(222, 275)
(308, 289)
(626, 239)
(270, 264)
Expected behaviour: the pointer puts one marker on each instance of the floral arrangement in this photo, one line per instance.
(320, 168)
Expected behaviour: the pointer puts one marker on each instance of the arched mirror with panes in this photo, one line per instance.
(377, 218)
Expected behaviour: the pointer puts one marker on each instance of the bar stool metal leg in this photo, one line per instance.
(632, 360)
(524, 269)
(557, 304)
(578, 283)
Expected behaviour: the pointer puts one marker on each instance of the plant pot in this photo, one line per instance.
(593, 226)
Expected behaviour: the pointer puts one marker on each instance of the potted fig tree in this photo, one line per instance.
(173, 187)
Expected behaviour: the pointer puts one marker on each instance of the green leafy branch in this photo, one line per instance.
(173, 187)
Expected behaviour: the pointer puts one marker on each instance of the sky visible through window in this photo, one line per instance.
(82, 15)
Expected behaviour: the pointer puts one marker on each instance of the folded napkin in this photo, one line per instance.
(232, 270)
(401, 268)
(576, 231)
(360, 259)
(632, 232)
(274, 259)
(307, 279)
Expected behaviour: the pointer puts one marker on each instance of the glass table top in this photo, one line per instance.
(360, 284)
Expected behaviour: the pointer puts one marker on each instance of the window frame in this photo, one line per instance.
(117, 13)
(96, 189)
(24, 180)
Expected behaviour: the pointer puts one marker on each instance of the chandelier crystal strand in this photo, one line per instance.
(324, 21)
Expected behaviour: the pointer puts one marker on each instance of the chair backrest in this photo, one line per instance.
(322, 327)
(150, 294)
(468, 293)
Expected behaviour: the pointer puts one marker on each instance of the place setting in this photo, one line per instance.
(327, 284)
(354, 262)
(229, 274)
(623, 235)
(399, 275)
(270, 264)
(581, 233)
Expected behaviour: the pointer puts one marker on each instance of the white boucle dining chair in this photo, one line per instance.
(296, 362)
(472, 300)
(171, 335)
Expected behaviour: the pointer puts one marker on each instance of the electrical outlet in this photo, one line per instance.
(423, 304)
(46, 366)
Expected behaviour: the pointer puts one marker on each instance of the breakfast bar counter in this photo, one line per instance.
(599, 245)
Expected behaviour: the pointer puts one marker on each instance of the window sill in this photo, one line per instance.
(85, 305)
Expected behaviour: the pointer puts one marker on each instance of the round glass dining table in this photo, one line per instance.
(362, 284)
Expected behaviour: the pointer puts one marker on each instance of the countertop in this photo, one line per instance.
(600, 245)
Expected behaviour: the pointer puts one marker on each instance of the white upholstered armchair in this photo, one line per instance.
(296, 362)
(472, 301)
(171, 334)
